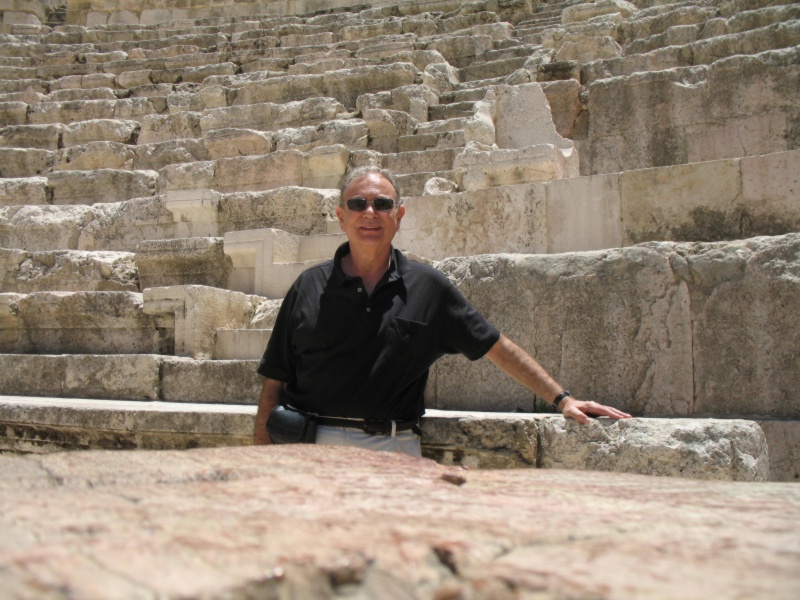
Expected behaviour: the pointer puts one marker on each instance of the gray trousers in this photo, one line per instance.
(407, 442)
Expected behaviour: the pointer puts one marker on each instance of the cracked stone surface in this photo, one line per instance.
(325, 522)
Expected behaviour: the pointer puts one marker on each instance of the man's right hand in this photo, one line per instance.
(270, 398)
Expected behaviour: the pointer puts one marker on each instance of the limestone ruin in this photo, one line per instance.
(615, 184)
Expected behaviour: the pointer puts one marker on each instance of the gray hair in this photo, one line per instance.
(360, 172)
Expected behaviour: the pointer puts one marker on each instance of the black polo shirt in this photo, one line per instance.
(343, 353)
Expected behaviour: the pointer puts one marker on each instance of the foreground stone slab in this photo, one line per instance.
(279, 522)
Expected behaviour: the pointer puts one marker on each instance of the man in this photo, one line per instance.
(356, 335)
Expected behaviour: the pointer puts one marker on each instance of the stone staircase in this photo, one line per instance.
(614, 184)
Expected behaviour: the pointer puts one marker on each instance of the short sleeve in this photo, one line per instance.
(278, 360)
(464, 329)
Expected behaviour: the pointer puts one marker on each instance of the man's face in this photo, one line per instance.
(370, 227)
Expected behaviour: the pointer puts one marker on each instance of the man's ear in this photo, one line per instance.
(340, 216)
(401, 211)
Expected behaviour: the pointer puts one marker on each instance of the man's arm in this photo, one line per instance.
(524, 369)
(270, 398)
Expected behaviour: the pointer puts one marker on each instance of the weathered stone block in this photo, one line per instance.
(76, 94)
(152, 157)
(584, 211)
(26, 162)
(210, 381)
(351, 133)
(280, 90)
(584, 12)
(738, 106)
(125, 377)
(480, 169)
(70, 112)
(240, 344)
(67, 271)
(25, 190)
(43, 227)
(783, 439)
(347, 85)
(88, 322)
(101, 185)
(231, 142)
(698, 448)
(687, 202)
(427, 232)
(43, 137)
(97, 155)
(109, 130)
(44, 425)
(162, 128)
(14, 113)
(185, 261)
(302, 211)
(612, 326)
(267, 261)
(207, 97)
(270, 116)
(193, 312)
(496, 544)
(743, 299)
(123, 225)
(769, 190)
(481, 440)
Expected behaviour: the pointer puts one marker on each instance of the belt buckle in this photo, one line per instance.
(377, 426)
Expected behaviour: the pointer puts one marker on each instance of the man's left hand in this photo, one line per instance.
(581, 410)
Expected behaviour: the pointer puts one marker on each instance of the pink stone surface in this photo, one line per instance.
(326, 522)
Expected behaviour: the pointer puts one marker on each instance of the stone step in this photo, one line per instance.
(133, 377)
(451, 110)
(67, 271)
(218, 143)
(267, 261)
(706, 27)
(582, 213)
(479, 71)
(417, 184)
(122, 226)
(734, 107)
(703, 52)
(79, 322)
(681, 203)
(645, 446)
(663, 289)
(406, 163)
(240, 344)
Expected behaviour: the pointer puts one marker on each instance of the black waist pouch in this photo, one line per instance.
(288, 426)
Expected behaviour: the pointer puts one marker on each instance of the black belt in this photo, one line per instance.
(371, 426)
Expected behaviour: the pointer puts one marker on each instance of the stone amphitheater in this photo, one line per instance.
(614, 184)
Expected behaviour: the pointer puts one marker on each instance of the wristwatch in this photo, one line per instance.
(560, 397)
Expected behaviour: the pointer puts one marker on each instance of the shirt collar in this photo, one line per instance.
(398, 267)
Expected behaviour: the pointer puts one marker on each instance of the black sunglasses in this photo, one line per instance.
(359, 204)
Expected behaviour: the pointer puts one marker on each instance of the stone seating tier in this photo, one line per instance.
(720, 450)
(669, 354)
(681, 203)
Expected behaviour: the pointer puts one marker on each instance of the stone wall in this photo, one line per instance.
(649, 328)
